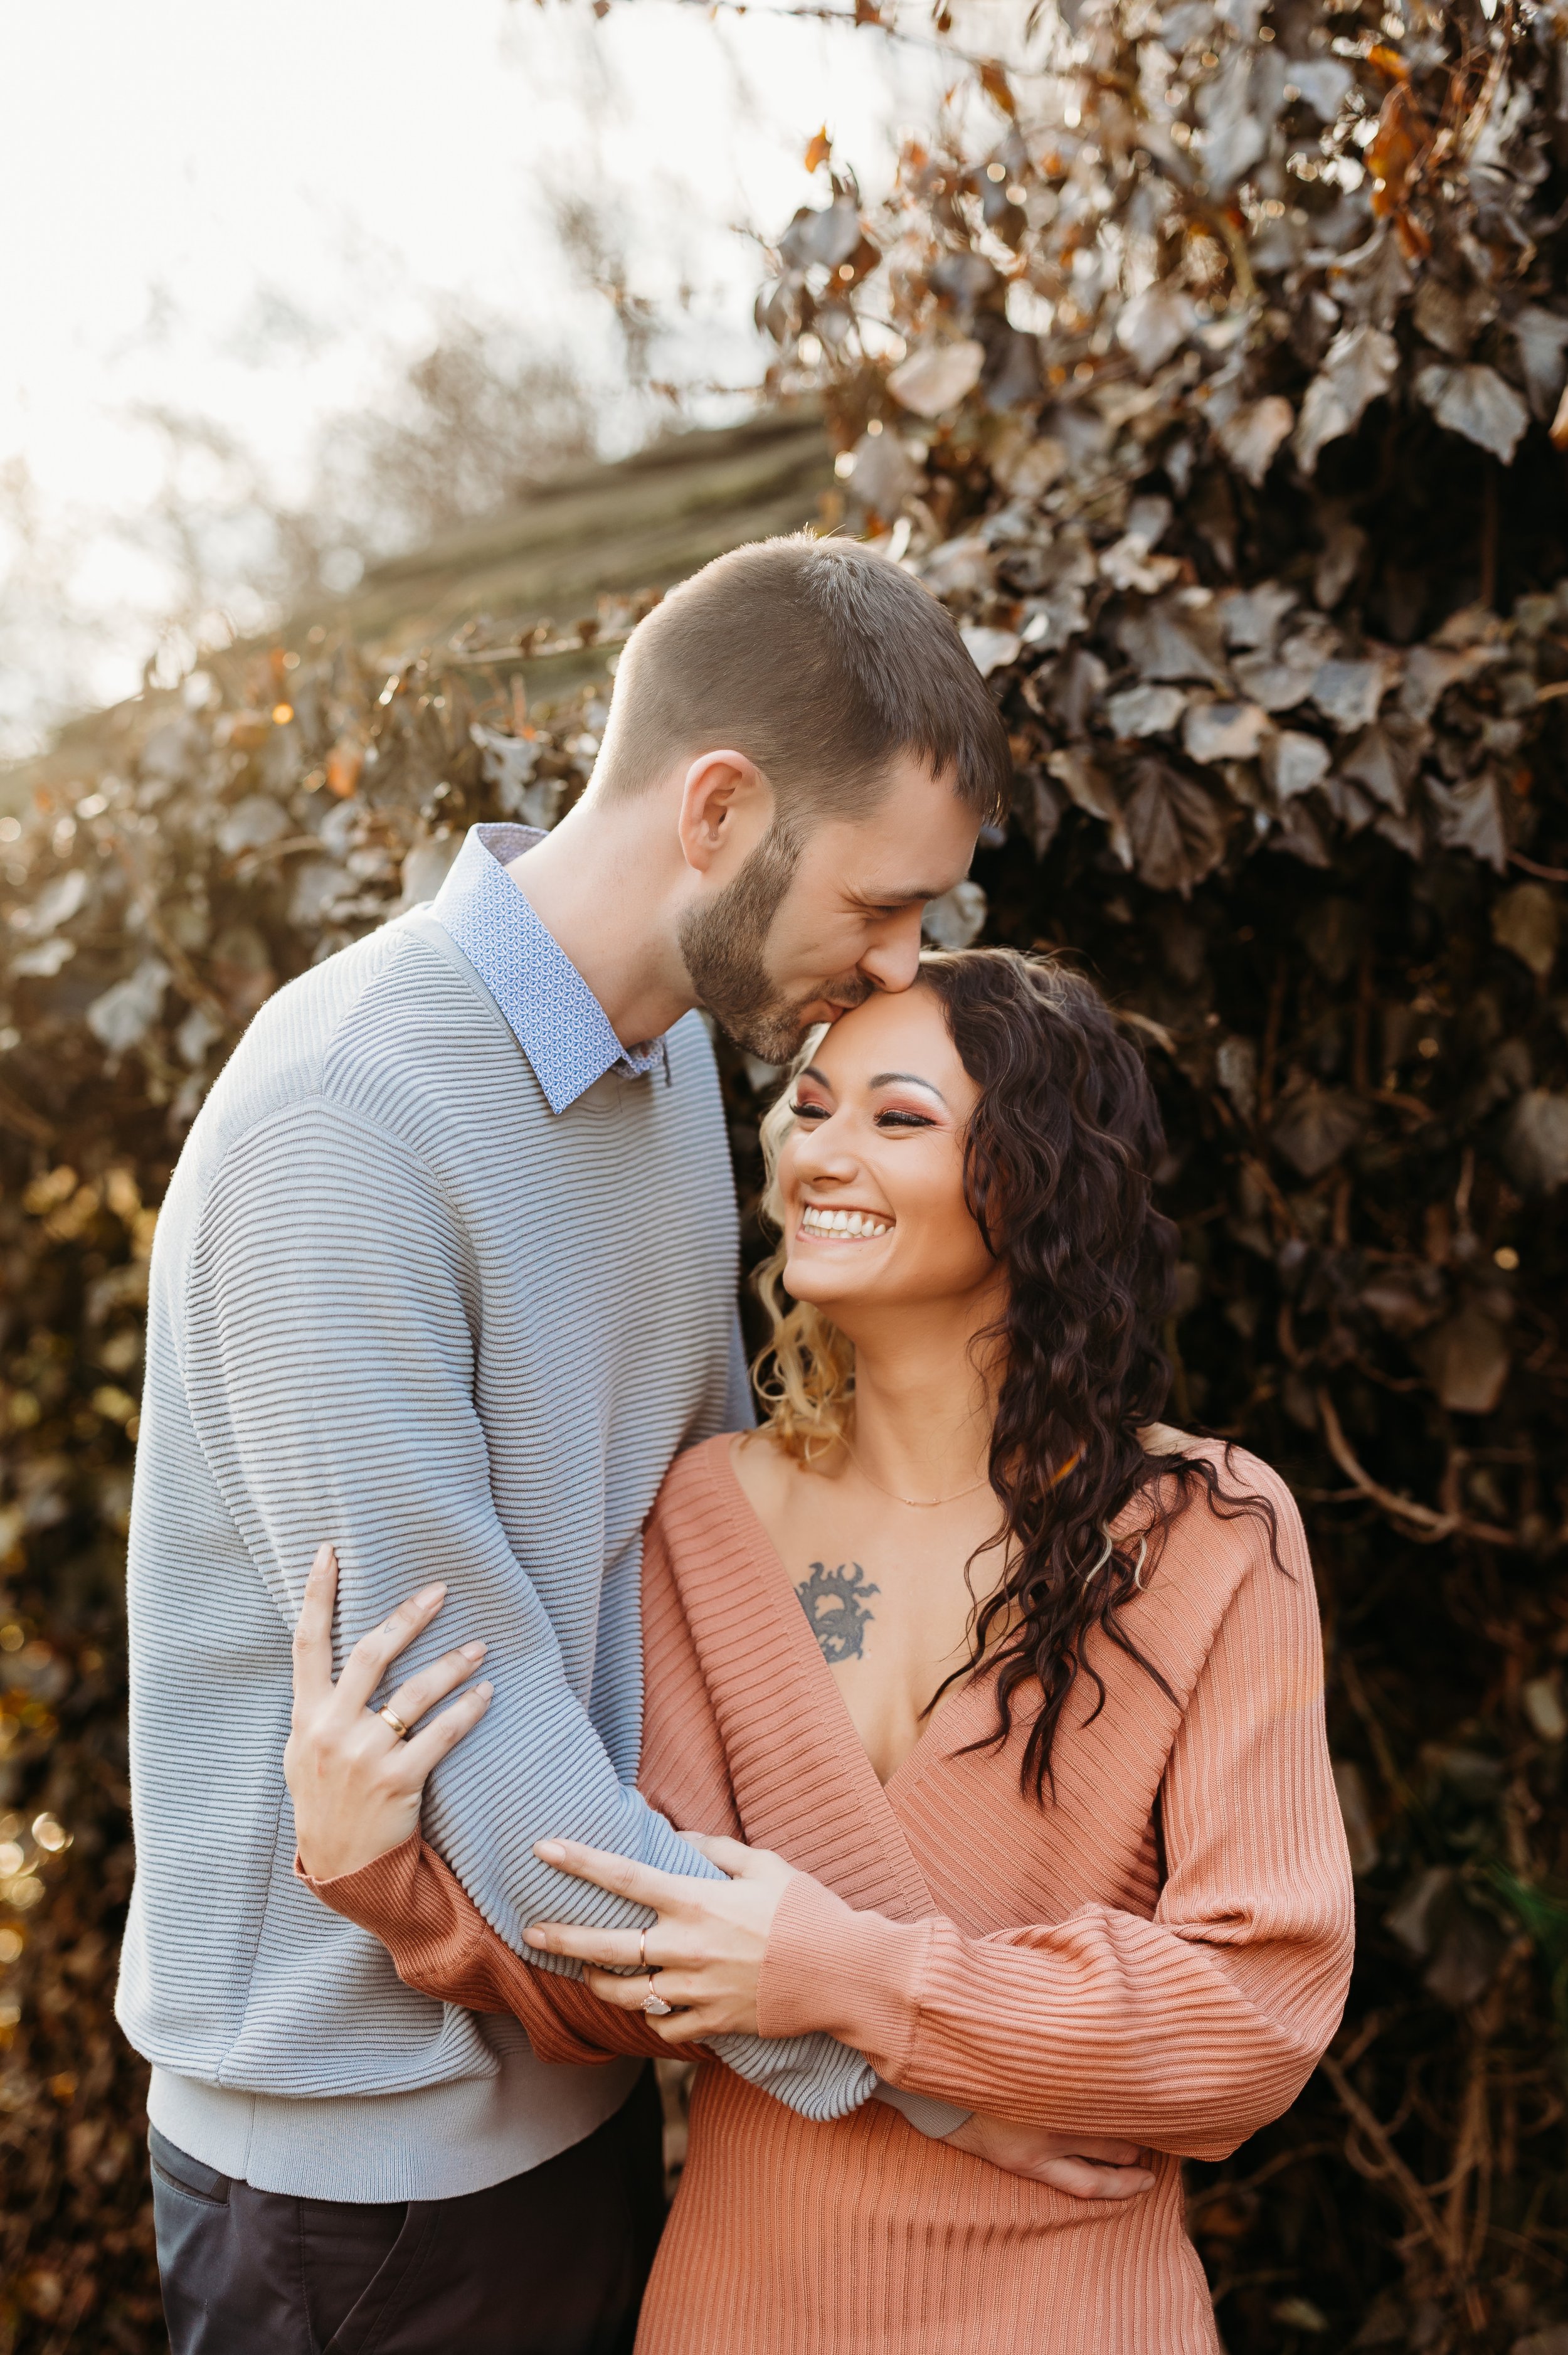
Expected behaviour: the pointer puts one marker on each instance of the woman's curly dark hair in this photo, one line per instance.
(1059, 1161)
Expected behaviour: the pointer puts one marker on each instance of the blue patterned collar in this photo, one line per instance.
(553, 1013)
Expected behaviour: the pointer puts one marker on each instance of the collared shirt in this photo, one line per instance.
(553, 1013)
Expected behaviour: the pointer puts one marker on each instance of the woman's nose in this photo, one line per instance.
(824, 1152)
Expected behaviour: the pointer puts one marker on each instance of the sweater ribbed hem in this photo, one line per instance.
(435, 2143)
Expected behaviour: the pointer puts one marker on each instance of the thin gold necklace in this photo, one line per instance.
(915, 1504)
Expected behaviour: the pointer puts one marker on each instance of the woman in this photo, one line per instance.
(1014, 1693)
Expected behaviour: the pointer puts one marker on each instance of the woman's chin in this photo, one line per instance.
(824, 1275)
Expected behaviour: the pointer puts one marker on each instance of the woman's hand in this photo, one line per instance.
(357, 1784)
(1086, 2167)
(703, 1956)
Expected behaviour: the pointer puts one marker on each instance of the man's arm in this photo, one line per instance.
(329, 1365)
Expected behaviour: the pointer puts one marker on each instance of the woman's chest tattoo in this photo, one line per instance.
(834, 1602)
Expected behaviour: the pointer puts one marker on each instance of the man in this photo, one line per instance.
(445, 1274)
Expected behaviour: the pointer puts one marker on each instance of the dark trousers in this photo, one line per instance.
(550, 2263)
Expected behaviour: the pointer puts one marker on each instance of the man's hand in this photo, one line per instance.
(1086, 2167)
(356, 1784)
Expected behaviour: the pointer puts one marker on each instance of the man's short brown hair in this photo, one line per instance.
(821, 661)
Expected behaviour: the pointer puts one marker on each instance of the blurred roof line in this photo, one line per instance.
(594, 529)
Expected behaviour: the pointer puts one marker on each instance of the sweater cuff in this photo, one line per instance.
(855, 1975)
(380, 1892)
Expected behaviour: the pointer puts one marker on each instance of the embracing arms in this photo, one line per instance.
(356, 1793)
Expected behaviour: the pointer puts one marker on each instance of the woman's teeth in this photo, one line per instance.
(860, 1223)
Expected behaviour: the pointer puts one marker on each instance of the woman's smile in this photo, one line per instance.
(825, 1225)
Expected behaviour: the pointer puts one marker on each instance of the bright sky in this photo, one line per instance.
(251, 213)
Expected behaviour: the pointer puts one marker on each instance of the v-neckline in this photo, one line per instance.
(774, 1575)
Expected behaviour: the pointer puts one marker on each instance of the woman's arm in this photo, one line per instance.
(440, 1943)
(1186, 2032)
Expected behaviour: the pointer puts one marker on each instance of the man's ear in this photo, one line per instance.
(727, 805)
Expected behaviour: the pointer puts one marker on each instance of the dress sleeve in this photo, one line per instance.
(440, 1943)
(1186, 2032)
(439, 1939)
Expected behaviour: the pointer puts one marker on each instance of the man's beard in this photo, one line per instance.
(723, 946)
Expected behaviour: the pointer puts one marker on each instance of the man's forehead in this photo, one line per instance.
(892, 872)
(912, 786)
(913, 844)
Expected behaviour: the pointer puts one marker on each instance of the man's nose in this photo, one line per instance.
(893, 959)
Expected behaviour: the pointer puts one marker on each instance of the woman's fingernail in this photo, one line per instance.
(551, 1851)
(324, 1555)
(484, 1690)
(533, 1935)
(471, 1651)
(430, 1593)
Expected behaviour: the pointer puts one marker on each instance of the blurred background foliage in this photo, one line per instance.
(1209, 360)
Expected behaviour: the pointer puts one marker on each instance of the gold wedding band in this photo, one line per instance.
(654, 2003)
(395, 1722)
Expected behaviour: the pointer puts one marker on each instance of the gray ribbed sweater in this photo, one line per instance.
(398, 1303)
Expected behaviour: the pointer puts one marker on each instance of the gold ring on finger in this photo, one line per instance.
(654, 2003)
(395, 1722)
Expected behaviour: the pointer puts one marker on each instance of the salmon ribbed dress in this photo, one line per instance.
(1160, 1951)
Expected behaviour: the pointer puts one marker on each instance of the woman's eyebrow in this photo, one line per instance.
(906, 1080)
